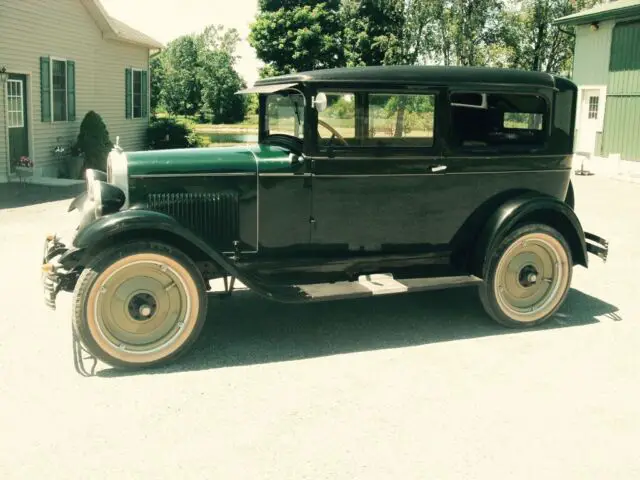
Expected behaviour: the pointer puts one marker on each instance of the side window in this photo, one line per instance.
(376, 120)
(498, 120)
(337, 122)
(401, 120)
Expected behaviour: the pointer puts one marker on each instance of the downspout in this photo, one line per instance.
(573, 50)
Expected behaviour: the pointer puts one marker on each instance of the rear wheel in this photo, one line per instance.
(139, 305)
(527, 276)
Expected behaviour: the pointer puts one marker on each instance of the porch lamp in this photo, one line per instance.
(4, 76)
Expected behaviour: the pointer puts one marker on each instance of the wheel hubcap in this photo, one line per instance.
(142, 307)
(531, 277)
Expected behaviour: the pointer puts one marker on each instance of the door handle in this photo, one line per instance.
(438, 168)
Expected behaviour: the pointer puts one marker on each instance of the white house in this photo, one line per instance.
(58, 60)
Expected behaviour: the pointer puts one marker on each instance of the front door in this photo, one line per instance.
(377, 165)
(17, 118)
(590, 111)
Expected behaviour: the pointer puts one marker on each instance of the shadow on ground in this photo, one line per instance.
(246, 329)
(15, 195)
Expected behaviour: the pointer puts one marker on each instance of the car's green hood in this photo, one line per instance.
(240, 159)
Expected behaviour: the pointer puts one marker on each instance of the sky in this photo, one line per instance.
(165, 20)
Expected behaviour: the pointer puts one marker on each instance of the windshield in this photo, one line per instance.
(285, 114)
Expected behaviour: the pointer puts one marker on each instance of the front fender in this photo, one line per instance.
(135, 221)
(531, 207)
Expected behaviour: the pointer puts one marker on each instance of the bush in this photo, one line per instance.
(93, 142)
(167, 133)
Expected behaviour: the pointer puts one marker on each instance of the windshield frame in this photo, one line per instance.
(263, 128)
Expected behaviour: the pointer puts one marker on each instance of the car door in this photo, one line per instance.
(374, 173)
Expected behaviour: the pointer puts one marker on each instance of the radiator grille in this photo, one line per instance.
(212, 216)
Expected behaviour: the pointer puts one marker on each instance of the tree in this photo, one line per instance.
(181, 91)
(409, 32)
(463, 32)
(535, 43)
(158, 79)
(371, 29)
(196, 73)
(297, 35)
(220, 82)
(216, 38)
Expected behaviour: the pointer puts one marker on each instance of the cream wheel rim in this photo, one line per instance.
(531, 277)
(142, 308)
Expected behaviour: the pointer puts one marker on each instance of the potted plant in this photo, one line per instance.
(93, 144)
(24, 167)
(74, 161)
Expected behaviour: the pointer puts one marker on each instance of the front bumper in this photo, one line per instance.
(597, 245)
(54, 277)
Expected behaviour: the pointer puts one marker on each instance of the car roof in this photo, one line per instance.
(416, 74)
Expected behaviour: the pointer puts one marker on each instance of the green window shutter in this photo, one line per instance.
(71, 90)
(45, 89)
(128, 95)
(145, 99)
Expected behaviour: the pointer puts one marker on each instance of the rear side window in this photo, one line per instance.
(493, 120)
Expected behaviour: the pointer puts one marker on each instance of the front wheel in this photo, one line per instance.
(527, 276)
(139, 305)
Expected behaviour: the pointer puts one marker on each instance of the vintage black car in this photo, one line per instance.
(365, 181)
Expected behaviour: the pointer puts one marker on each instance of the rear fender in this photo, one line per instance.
(527, 208)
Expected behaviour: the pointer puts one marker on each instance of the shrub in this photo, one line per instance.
(93, 141)
(167, 133)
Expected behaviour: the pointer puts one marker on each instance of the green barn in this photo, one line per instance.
(607, 71)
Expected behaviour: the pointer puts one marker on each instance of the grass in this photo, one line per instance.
(248, 125)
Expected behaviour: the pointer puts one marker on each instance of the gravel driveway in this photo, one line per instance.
(405, 387)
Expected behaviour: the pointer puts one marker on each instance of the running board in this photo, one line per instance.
(380, 284)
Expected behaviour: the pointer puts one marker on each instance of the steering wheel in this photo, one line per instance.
(334, 133)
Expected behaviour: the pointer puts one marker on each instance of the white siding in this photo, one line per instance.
(63, 28)
(591, 64)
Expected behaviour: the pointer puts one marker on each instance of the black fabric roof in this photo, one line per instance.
(416, 74)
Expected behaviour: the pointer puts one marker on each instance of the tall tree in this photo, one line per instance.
(296, 35)
(450, 32)
(220, 82)
(181, 91)
(196, 73)
(156, 68)
(371, 29)
(217, 38)
(386, 32)
(464, 32)
(535, 42)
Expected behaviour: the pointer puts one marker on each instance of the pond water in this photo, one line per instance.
(230, 137)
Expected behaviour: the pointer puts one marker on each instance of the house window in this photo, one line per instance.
(15, 102)
(136, 98)
(137, 93)
(59, 90)
(593, 107)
